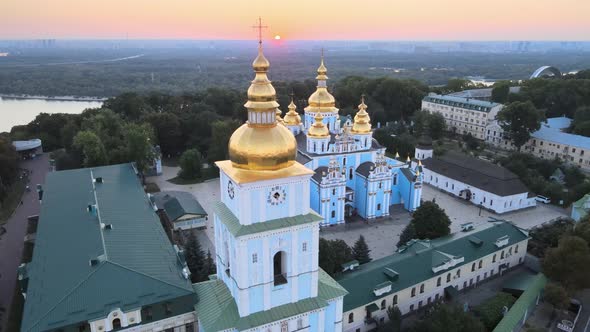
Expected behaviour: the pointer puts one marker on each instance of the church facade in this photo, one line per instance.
(266, 235)
(352, 175)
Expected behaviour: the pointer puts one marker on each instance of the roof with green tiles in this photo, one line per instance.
(178, 203)
(582, 206)
(233, 224)
(415, 264)
(217, 310)
(135, 264)
(524, 302)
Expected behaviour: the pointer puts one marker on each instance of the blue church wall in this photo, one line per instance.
(304, 286)
(314, 196)
(314, 322)
(330, 317)
(360, 196)
(379, 200)
(256, 297)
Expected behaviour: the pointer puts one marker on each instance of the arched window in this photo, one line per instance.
(395, 299)
(383, 305)
(458, 273)
(448, 277)
(421, 288)
(413, 291)
(438, 282)
(351, 317)
(379, 207)
(494, 258)
(472, 267)
(516, 249)
(502, 255)
(116, 323)
(480, 264)
(279, 268)
(350, 174)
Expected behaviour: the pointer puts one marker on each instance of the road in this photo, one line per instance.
(11, 242)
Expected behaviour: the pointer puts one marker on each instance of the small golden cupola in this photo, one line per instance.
(319, 128)
(321, 100)
(362, 121)
(292, 118)
(260, 144)
(279, 119)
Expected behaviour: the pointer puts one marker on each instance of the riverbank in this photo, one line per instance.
(56, 98)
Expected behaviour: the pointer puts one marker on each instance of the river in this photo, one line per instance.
(22, 111)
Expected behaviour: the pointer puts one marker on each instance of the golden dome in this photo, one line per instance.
(321, 100)
(278, 116)
(319, 128)
(362, 121)
(292, 118)
(260, 144)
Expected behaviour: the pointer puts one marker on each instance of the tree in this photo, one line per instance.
(407, 234)
(361, 250)
(167, 131)
(500, 92)
(139, 145)
(490, 312)
(582, 229)
(333, 253)
(457, 84)
(92, 148)
(556, 295)
(519, 120)
(190, 164)
(581, 123)
(8, 166)
(448, 317)
(430, 221)
(569, 263)
(195, 258)
(221, 132)
(395, 318)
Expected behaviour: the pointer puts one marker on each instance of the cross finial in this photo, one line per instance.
(363, 98)
(259, 27)
(292, 95)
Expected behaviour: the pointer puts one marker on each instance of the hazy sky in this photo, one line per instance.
(298, 19)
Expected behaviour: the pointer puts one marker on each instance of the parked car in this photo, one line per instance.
(542, 199)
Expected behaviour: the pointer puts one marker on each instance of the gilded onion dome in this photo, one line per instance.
(362, 121)
(278, 116)
(322, 100)
(319, 128)
(292, 118)
(260, 144)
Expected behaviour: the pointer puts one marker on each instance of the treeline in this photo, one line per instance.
(8, 166)
(124, 128)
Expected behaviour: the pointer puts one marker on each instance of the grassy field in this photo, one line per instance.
(206, 174)
(12, 200)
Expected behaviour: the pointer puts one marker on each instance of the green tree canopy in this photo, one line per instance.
(190, 164)
(334, 253)
(429, 221)
(556, 295)
(491, 311)
(361, 251)
(221, 132)
(139, 145)
(448, 317)
(195, 258)
(8, 166)
(92, 148)
(500, 91)
(569, 263)
(519, 120)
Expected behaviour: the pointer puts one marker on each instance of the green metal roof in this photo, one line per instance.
(217, 310)
(136, 265)
(372, 307)
(178, 203)
(233, 224)
(415, 263)
(524, 302)
(580, 206)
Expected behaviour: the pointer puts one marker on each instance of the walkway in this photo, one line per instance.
(11, 242)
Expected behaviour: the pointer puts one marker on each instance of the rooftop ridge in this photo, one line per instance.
(104, 247)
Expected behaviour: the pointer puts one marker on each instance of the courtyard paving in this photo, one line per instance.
(382, 234)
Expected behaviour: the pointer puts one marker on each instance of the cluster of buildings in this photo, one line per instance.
(471, 112)
(102, 261)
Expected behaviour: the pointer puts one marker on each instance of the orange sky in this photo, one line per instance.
(298, 19)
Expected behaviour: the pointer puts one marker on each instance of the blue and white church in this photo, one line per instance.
(352, 175)
(266, 234)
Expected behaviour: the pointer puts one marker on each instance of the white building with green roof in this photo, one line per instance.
(424, 272)
(580, 208)
(102, 261)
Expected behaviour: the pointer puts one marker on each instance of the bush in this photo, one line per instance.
(190, 164)
(491, 311)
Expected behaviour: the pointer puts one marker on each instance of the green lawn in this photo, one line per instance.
(12, 200)
(206, 174)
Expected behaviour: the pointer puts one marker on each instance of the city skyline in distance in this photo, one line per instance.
(430, 20)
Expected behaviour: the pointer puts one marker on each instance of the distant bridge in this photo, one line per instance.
(546, 70)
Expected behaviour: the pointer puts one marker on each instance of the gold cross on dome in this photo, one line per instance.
(259, 27)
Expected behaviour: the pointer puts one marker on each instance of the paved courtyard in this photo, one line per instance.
(382, 234)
